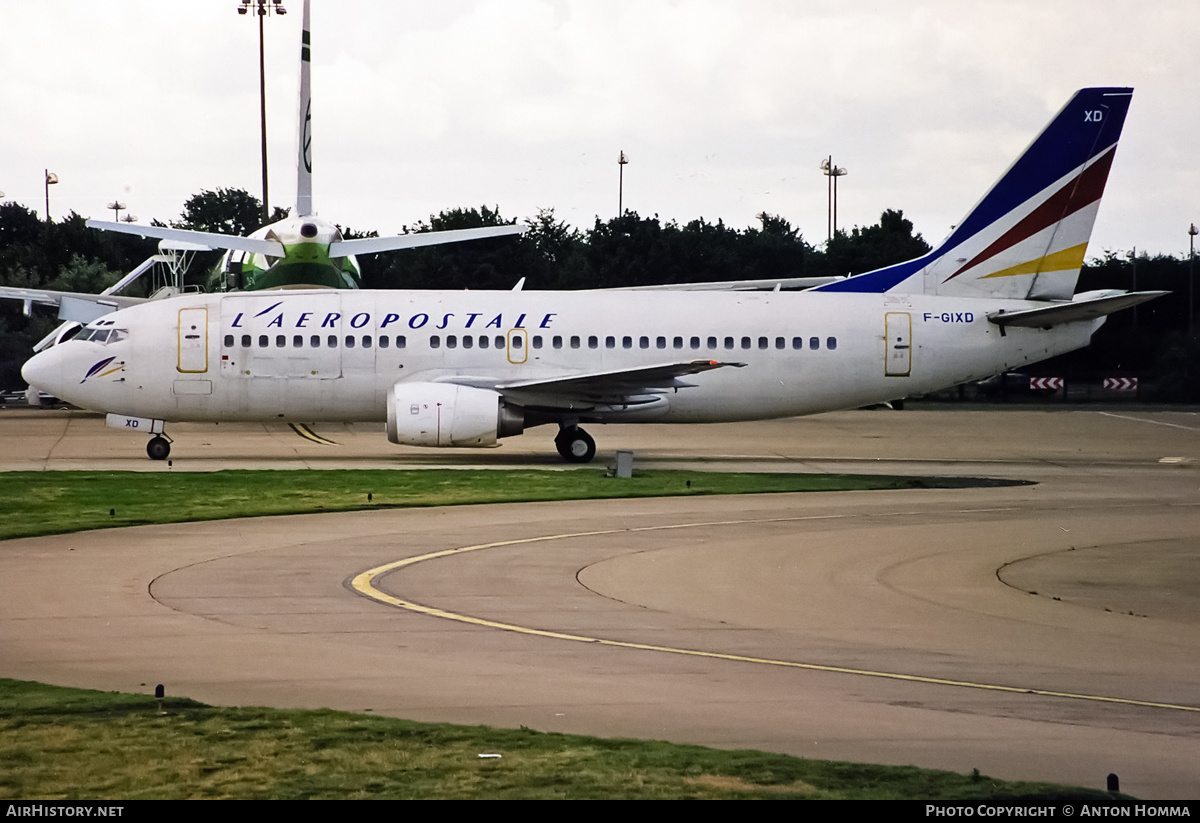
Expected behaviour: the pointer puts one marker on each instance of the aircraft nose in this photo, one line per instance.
(43, 371)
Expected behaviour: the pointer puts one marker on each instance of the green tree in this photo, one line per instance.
(225, 211)
(864, 249)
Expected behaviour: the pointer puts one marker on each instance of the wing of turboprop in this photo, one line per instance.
(273, 248)
(371, 245)
(1085, 306)
(618, 387)
(209, 240)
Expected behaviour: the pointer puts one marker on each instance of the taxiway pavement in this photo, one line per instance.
(1044, 632)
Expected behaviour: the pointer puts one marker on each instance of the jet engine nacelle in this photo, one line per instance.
(445, 414)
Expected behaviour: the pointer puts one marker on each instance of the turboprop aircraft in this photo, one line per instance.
(302, 250)
(467, 368)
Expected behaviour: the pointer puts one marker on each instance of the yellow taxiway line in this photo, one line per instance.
(364, 583)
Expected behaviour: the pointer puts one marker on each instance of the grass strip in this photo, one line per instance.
(39, 503)
(59, 744)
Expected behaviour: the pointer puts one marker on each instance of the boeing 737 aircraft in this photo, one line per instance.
(465, 368)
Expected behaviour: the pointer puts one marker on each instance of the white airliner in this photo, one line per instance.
(464, 368)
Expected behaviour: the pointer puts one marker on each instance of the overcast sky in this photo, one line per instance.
(724, 107)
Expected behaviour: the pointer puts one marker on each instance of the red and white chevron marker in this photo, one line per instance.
(1120, 383)
(1045, 383)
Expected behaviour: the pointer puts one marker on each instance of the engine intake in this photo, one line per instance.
(445, 414)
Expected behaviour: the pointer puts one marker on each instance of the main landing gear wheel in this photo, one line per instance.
(158, 448)
(575, 445)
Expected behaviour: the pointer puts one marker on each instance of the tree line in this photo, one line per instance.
(1152, 342)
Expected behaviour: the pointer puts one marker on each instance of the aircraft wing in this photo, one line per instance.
(371, 245)
(768, 284)
(72, 302)
(1091, 306)
(621, 386)
(204, 239)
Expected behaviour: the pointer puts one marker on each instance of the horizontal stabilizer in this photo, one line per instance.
(1082, 307)
(204, 239)
(371, 245)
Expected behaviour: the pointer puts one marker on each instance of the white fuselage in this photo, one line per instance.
(325, 355)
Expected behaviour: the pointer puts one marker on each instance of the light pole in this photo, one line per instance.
(1192, 232)
(51, 179)
(833, 173)
(622, 162)
(262, 9)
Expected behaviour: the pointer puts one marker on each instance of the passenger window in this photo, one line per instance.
(797, 343)
(677, 342)
(537, 341)
(831, 343)
(483, 342)
(229, 341)
(556, 341)
(762, 342)
(298, 342)
(435, 342)
(516, 341)
(315, 341)
(349, 341)
(499, 341)
(331, 341)
(694, 342)
(263, 341)
(610, 342)
(745, 342)
(780, 343)
(383, 341)
(574, 341)
(729, 342)
(712, 342)
(245, 341)
(452, 341)
(280, 341)
(627, 342)
(401, 341)
(468, 341)
(814, 343)
(593, 342)
(366, 341)
(643, 342)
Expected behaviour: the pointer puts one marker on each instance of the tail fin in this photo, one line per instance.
(1027, 237)
(304, 128)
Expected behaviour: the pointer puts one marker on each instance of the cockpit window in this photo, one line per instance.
(102, 335)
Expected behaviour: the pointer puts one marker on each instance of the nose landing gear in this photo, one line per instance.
(575, 445)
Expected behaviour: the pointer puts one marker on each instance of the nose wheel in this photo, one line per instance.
(575, 445)
(158, 448)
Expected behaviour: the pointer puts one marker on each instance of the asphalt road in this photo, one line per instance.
(1045, 632)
